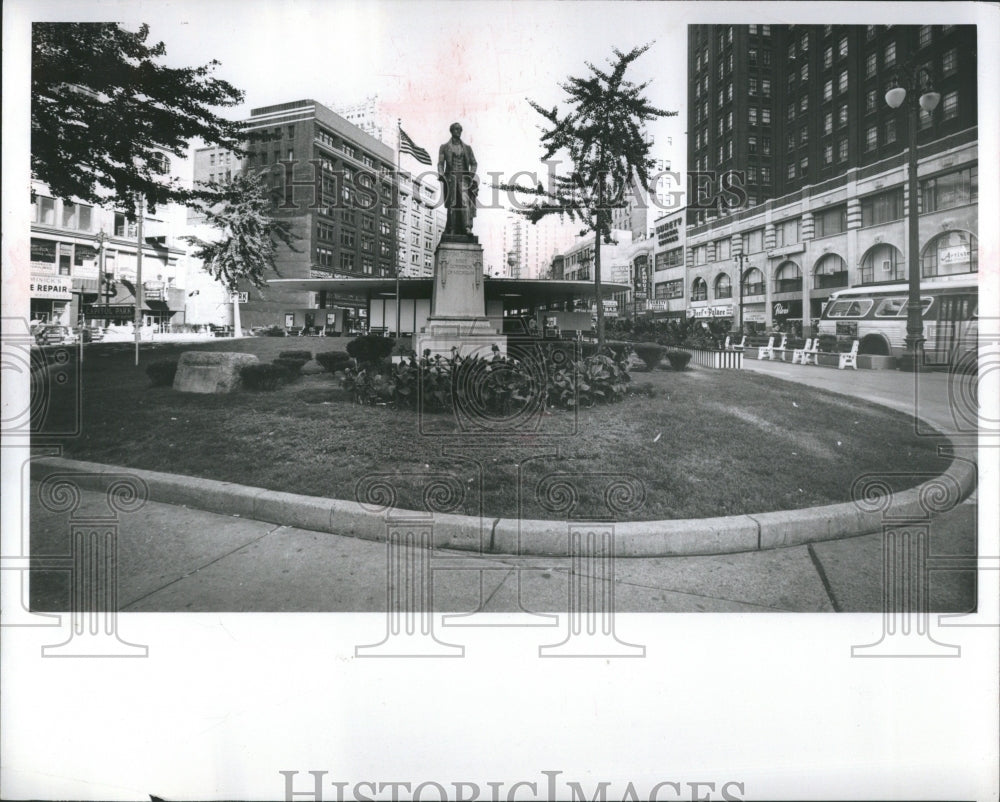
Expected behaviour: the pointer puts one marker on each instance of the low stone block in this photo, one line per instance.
(210, 371)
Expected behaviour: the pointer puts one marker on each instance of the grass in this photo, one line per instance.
(697, 443)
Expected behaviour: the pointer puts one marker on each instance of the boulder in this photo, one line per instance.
(210, 371)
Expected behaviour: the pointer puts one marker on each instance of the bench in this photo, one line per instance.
(849, 358)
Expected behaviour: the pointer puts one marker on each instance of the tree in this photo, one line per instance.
(249, 234)
(104, 113)
(602, 135)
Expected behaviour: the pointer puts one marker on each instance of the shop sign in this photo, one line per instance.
(955, 255)
(703, 311)
(55, 287)
(657, 306)
(786, 308)
(722, 311)
(611, 307)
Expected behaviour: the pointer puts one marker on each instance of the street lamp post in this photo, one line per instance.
(741, 259)
(914, 78)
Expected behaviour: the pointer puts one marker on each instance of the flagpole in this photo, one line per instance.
(399, 147)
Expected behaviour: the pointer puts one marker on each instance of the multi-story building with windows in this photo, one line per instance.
(530, 246)
(336, 187)
(84, 266)
(668, 298)
(616, 266)
(421, 221)
(798, 111)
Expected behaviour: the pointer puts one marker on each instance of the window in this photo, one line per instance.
(842, 150)
(722, 250)
(700, 254)
(765, 116)
(925, 119)
(830, 271)
(882, 263)
(367, 264)
(791, 51)
(765, 30)
(890, 131)
(765, 175)
(804, 73)
(752, 29)
(925, 35)
(791, 112)
(871, 63)
(45, 210)
(720, 126)
(765, 57)
(790, 172)
(842, 47)
(949, 106)
(871, 138)
(765, 87)
(752, 86)
(869, 32)
(786, 232)
(828, 154)
(753, 282)
(842, 82)
(788, 278)
(367, 243)
(803, 166)
(753, 241)
(723, 286)
(729, 91)
(729, 121)
(699, 290)
(889, 56)
(950, 253)
(752, 115)
(949, 190)
(347, 261)
(828, 90)
(790, 141)
(828, 58)
(831, 221)
(848, 307)
(871, 101)
(803, 104)
(752, 173)
(882, 208)
(842, 115)
(347, 238)
(828, 123)
(949, 62)
(765, 142)
(804, 42)
(752, 56)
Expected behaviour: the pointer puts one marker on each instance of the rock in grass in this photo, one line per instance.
(210, 371)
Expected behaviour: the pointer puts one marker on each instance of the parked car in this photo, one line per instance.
(54, 334)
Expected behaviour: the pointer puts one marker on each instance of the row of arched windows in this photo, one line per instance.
(948, 253)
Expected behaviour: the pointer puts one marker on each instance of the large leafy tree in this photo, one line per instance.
(104, 110)
(602, 135)
(249, 234)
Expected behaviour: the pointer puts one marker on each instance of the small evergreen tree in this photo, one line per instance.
(602, 134)
(249, 234)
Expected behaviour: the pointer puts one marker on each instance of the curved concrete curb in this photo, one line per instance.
(694, 536)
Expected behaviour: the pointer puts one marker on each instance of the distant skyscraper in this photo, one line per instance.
(530, 246)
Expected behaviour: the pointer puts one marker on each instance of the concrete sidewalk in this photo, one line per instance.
(173, 558)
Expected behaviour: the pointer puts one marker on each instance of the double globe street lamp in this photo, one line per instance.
(917, 83)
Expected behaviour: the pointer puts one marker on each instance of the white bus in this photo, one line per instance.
(875, 315)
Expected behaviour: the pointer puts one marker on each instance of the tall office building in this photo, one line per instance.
(336, 187)
(529, 247)
(799, 112)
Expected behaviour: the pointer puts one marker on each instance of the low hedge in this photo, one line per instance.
(161, 372)
(305, 356)
(273, 331)
(262, 376)
(650, 353)
(292, 367)
(371, 349)
(335, 360)
(678, 359)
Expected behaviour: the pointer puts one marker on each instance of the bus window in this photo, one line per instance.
(849, 307)
(891, 307)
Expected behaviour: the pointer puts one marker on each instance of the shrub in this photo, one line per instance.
(161, 373)
(678, 359)
(292, 367)
(262, 376)
(828, 343)
(618, 349)
(273, 331)
(304, 356)
(371, 350)
(650, 353)
(334, 360)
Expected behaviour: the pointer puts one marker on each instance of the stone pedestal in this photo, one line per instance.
(458, 304)
(210, 371)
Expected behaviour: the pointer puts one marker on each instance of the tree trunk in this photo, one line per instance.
(598, 300)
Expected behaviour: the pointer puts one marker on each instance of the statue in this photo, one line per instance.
(457, 172)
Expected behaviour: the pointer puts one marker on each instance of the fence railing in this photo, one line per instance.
(716, 358)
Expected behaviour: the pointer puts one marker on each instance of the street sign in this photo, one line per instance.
(240, 297)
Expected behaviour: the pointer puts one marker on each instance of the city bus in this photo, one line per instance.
(875, 315)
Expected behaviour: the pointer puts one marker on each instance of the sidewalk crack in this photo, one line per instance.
(823, 578)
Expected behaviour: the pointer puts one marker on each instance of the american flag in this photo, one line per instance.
(407, 145)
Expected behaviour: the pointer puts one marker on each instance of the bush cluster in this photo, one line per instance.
(678, 359)
(495, 386)
(650, 353)
(335, 360)
(273, 331)
(371, 350)
(262, 376)
(161, 372)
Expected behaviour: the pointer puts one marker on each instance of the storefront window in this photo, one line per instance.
(882, 263)
(831, 271)
(788, 278)
(949, 253)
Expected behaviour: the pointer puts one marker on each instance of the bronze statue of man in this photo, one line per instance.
(457, 172)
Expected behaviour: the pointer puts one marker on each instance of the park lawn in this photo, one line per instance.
(697, 443)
